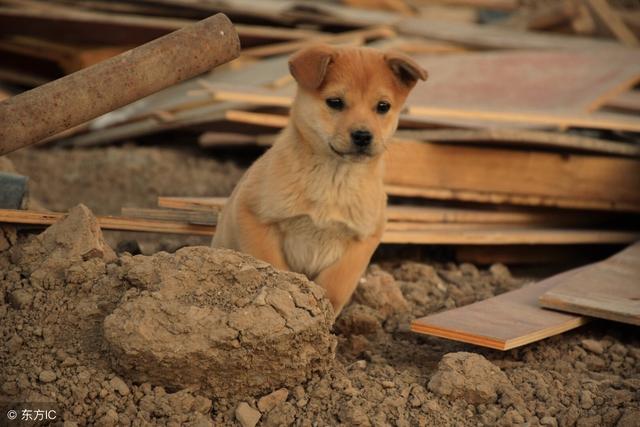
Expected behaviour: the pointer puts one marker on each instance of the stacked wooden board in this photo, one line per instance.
(608, 289)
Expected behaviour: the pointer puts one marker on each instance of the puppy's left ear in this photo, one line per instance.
(309, 66)
(406, 69)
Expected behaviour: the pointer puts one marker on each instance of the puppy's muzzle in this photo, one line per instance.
(361, 139)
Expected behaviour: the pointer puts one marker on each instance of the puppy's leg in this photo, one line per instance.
(341, 278)
(259, 240)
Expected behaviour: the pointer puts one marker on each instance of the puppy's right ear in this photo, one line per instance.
(309, 65)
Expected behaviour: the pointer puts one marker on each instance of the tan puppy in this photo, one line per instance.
(314, 203)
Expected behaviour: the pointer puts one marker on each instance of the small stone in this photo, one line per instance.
(388, 384)
(586, 399)
(593, 346)
(10, 388)
(549, 421)
(120, 386)
(69, 361)
(47, 376)
(270, 401)
(360, 364)
(14, 343)
(109, 419)
(20, 299)
(246, 415)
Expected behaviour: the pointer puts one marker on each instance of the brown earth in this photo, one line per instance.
(57, 289)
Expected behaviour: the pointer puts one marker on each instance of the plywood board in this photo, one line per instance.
(506, 321)
(493, 37)
(550, 82)
(609, 289)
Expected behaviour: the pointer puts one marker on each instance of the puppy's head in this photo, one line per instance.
(349, 99)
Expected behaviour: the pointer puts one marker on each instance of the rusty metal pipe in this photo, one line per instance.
(74, 99)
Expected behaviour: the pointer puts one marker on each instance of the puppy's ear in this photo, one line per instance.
(309, 66)
(406, 69)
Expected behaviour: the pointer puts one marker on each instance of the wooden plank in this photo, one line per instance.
(492, 235)
(359, 36)
(192, 217)
(192, 203)
(609, 289)
(504, 5)
(87, 26)
(506, 321)
(533, 83)
(479, 196)
(465, 234)
(626, 101)
(614, 22)
(485, 36)
(535, 178)
(442, 215)
(109, 222)
(605, 121)
(523, 137)
(259, 119)
(423, 214)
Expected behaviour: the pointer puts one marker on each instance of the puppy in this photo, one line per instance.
(314, 203)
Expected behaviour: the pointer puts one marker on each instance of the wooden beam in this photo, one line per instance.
(595, 120)
(209, 217)
(459, 234)
(609, 289)
(485, 36)
(495, 235)
(523, 137)
(479, 196)
(109, 222)
(259, 119)
(513, 176)
(192, 203)
(506, 321)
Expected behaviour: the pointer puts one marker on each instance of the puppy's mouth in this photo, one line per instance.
(356, 155)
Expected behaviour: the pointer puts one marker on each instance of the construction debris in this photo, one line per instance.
(609, 289)
(522, 147)
(52, 108)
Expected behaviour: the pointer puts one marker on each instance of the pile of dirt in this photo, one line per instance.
(201, 319)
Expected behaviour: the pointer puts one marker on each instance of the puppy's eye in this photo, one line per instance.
(383, 107)
(335, 103)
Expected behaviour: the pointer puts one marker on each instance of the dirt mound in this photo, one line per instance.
(77, 239)
(219, 320)
(473, 378)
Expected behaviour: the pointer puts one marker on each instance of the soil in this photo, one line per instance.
(59, 287)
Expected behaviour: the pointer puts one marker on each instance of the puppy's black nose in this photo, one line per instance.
(361, 138)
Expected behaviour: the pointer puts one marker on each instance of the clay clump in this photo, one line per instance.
(219, 320)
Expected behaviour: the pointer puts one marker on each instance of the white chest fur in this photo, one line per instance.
(338, 203)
